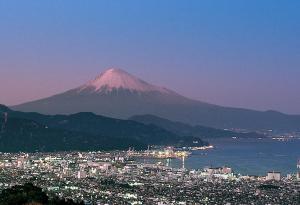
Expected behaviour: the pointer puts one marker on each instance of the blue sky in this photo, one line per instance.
(232, 53)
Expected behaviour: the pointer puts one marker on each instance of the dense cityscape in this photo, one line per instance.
(117, 178)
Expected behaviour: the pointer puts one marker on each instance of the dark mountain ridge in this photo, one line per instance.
(82, 131)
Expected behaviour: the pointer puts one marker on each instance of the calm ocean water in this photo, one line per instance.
(246, 157)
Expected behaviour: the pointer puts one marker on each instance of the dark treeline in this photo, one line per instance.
(28, 194)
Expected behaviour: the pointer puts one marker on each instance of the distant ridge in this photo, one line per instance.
(116, 93)
(81, 131)
(189, 130)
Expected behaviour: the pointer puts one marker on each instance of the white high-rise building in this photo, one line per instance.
(298, 176)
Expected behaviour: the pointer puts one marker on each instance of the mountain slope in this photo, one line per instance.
(115, 93)
(81, 131)
(21, 135)
(183, 129)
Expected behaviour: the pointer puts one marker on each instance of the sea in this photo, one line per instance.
(246, 157)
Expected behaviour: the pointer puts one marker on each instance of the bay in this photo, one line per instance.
(247, 157)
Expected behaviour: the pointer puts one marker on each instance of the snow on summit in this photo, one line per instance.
(114, 78)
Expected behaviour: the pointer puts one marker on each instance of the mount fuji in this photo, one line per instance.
(114, 79)
(116, 93)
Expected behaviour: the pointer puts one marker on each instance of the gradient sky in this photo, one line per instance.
(232, 53)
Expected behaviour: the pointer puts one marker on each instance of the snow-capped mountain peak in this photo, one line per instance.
(114, 78)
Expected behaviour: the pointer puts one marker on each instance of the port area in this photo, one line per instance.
(169, 152)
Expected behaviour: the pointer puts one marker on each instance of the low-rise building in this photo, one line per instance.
(276, 176)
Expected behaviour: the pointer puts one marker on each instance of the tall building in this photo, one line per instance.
(298, 171)
(298, 176)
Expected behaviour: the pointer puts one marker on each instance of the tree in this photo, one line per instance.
(28, 194)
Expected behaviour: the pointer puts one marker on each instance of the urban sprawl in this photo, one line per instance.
(118, 178)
